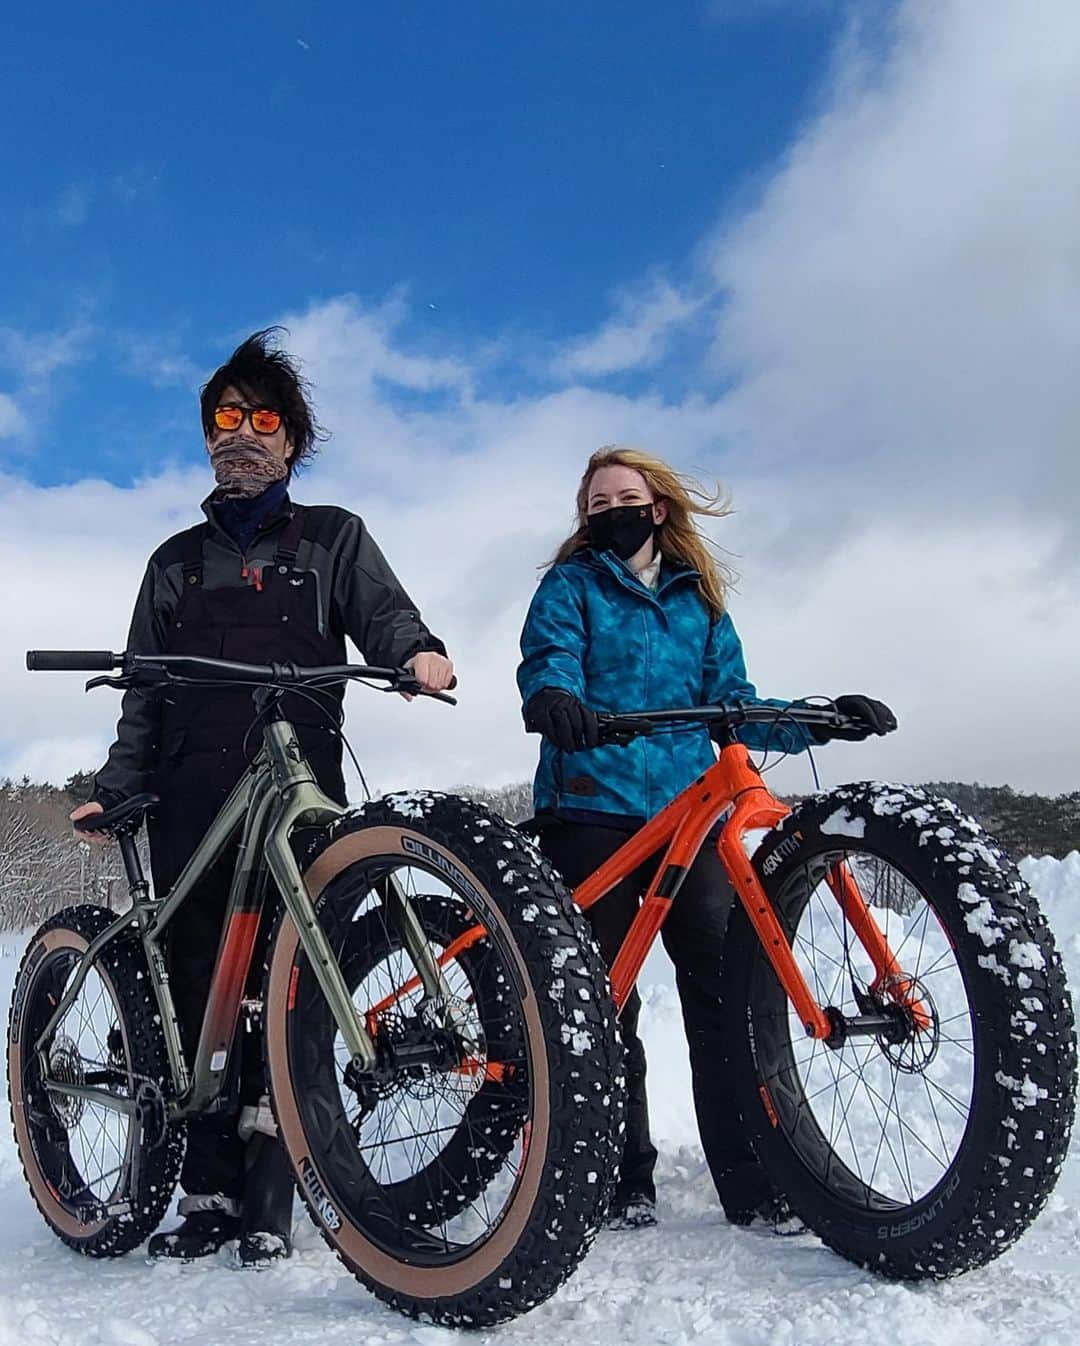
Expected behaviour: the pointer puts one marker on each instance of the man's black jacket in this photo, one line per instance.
(359, 596)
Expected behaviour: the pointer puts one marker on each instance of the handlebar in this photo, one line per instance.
(150, 670)
(624, 727)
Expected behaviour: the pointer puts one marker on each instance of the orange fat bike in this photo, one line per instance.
(900, 1034)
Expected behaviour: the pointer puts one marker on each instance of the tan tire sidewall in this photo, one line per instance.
(418, 1282)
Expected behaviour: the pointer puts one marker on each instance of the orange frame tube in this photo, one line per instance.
(732, 784)
(464, 941)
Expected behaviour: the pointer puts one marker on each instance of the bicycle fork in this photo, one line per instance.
(303, 801)
(889, 978)
(682, 828)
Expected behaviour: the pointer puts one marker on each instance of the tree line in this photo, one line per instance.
(42, 868)
(1025, 824)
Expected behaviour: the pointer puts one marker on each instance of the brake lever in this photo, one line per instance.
(625, 731)
(122, 682)
(411, 686)
(151, 675)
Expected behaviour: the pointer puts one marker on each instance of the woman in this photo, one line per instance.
(631, 615)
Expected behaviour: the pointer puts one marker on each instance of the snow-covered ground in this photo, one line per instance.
(693, 1278)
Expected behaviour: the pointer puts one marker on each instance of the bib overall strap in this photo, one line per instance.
(289, 540)
(192, 554)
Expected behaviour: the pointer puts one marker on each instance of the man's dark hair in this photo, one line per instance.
(268, 376)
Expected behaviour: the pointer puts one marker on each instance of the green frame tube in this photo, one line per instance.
(276, 793)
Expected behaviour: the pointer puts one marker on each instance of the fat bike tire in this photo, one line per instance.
(101, 1179)
(924, 1152)
(465, 1190)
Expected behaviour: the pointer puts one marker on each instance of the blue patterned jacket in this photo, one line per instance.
(595, 630)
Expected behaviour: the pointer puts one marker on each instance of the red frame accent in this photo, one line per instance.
(227, 987)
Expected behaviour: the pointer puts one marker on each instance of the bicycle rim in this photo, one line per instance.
(82, 1148)
(879, 1120)
(385, 1151)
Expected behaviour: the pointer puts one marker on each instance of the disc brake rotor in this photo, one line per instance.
(919, 1045)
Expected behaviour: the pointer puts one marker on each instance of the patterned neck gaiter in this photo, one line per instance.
(244, 468)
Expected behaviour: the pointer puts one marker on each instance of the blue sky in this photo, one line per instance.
(821, 251)
(181, 174)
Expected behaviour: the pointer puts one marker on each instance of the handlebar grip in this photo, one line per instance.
(72, 661)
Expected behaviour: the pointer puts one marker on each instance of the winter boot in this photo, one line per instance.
(200, 1234)
(750, 1199)
(631, 1210)
(775, 1215)
(266, 1224)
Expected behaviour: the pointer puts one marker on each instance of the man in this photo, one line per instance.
(263, 579)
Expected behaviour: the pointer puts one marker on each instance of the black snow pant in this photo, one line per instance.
(193, 788)
(694, 936)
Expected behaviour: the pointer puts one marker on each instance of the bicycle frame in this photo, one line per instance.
(731, 786)
(275, 794)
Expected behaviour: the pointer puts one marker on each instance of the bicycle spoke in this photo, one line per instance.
(441, 1165)
(875, 1106)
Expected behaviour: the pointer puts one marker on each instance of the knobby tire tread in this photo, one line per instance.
(1018, 1134)
(586, 1090)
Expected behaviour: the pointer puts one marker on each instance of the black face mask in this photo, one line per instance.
(623, 530)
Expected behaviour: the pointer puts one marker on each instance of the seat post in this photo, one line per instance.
(129, 853)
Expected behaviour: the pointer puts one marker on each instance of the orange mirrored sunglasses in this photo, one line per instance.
(264, 421)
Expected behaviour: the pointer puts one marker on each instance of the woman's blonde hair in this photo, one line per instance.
(678, 537)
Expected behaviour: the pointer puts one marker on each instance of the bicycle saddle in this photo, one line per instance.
(121, 818)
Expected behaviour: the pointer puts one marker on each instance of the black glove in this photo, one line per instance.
(875, 718)
(562, 719)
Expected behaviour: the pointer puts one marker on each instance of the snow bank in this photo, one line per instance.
(692, 1279)
(1057, 883)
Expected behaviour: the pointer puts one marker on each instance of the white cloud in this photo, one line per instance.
(354, 348)
(634, 338)
(901, 312)
(157, 360)
(896, 331)
(35, 356)
(960, 631)
(29, 359)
